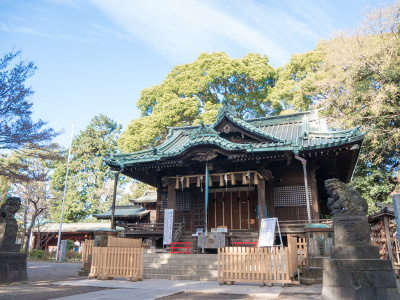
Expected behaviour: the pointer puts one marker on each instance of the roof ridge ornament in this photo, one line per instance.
(203, 130)
(226, 109)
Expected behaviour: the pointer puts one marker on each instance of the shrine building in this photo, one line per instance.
(251, 169)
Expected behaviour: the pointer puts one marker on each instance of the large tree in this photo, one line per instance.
(88, 178)
(194, 92)
(36, 166)
(355, 77)
(17, 128)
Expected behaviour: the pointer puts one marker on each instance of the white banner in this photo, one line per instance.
(168, 226)
(267, 232)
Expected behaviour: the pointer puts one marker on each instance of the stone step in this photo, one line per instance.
(199, 267)
(156, 265)
(186, 272)
(314, 262)
(312, 272)
(304, 280)
(180, 277)
(183, 260)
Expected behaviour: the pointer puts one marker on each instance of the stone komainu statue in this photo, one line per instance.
(9, 208)
(344, 200)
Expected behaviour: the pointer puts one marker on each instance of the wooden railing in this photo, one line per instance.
(242, 244)
(87, 250)
(181, 247)
(110, 262)
(256, 265)
(179, 227)
(124, 242)
(149, 228)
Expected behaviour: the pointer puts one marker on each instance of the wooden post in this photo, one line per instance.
(314, 194)
(261, 199)
(270, 203)
(171, 202)
(158, 206)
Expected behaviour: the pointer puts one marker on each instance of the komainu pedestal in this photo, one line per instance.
(12, 262)
(354, 270)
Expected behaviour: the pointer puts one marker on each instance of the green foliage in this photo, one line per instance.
(37, 254)
(5, 187)
(355, 77)
(89, 179)
(193, 92)
(70, 245)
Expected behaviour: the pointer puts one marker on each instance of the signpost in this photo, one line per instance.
(267, 232)
(168, 226)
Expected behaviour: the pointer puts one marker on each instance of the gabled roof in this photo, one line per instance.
(75, 227)
(293, 132)
(148, 197)
(124, 211)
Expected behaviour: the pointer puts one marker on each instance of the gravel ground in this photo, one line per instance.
(41, 275)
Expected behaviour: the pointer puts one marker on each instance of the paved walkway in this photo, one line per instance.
(175, 289)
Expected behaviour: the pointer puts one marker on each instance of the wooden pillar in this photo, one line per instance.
(158, 206)
(270, 200)
(171, 202)
(314, 193)
(261, 199)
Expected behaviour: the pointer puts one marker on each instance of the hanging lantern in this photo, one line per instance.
(177, 183)
(221, 180)
(198, 181)
(233, 179)
(209, 181)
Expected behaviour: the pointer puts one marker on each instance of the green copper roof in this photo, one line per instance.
(293, 132)
(124, 211)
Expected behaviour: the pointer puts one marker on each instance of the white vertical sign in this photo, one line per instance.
(168, 225)
(267, 232)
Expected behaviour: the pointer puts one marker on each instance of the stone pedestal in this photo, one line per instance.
(354, 270)
(12, 262)
(319, 238)
(12, 267)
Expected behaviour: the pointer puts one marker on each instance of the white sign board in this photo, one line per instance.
(267, 232)
(168, 225)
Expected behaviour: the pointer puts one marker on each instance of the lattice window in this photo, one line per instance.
(290, 202)
(182, 201)
(164, 201)
(291, 195)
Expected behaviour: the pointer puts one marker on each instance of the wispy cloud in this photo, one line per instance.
(181, 29)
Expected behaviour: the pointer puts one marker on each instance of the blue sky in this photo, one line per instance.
(95, 56)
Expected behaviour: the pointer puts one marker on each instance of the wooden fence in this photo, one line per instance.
(123, 242)
(87, 250)
(262, 265)
(298, 250)
(256, 265)
(109, 262)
